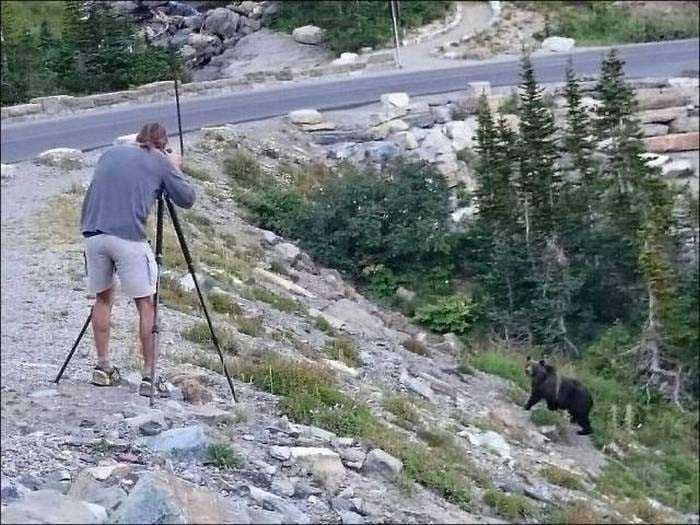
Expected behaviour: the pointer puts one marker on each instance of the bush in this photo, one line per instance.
(243, 169)
(507, 366)
(454, 313)
(543, 417)
(322, 324)
(562, 477)
(350, 26)
(343, 349)
(404, 410)
(223, 456)
(224, 304)
(510, 506)
(281, 303)
(198, 333)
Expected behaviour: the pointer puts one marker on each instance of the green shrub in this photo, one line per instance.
(221, 455)
(455, 313)
(343, 349)
(507, 366)
(435, 438)
(251, 326)
(198, 333)
(322, 324)
(509, 506)
(243, 169)
(281, 303)
(403, 408)
(224, 304)
(350, 26)
(562, 477)
(196, 172)
(277, 209)
(543, 417)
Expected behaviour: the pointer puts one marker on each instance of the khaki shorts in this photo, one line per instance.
(133, 262)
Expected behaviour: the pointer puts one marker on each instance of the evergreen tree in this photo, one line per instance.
(616, 97)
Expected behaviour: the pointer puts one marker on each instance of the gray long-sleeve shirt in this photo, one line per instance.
(124, 188)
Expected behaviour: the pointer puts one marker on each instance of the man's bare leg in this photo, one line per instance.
(146, 312)
(101, 313)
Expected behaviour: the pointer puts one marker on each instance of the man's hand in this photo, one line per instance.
(175, 159)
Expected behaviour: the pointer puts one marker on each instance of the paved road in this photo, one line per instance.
(90, 130)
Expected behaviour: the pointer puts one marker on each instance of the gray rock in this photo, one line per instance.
(180, 443)
(159, 497)
(200, 42)
(418, 386)
(490, 440)
(150, 428)
(451, 343)
(270, 238)
(89, 489)
(287, 250)
(654, 130)
(11, 490)
(441, 114)
(323, 463)
(381, 151)
(305, 116)
(64, 158)
(353, 317)
(395, 104)
(379, 462)
(245, 8)
(350, 517)
(50, 506)
(265, 517)
(282, 487)
(406, 140)
(267, 500)
(308, 35)
(352, 455)
(194, 22)
(422, 119)
(677, 168)
(179, 39)
(281, 453)
(405, 294)
(222, 22)
(558, 44)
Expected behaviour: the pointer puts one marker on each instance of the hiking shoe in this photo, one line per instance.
(161, 386)
(101, 377)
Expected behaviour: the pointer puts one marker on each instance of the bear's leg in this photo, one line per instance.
(585, 423)
(534, 398)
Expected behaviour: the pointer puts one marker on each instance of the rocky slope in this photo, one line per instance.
(75, 452)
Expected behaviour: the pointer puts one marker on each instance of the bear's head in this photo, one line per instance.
(538, 370)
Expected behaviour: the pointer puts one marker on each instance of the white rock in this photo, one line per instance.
(417, 386)
(677, 168)
(323, 463)
(66, 158)
(50, 506)
(284, 283)
(397, 125)
(490, 440)
(558, 44)
(287, 250)
(281, 453)
(406, 140)
(461, 213)
(200, 42)
(684, 82)
(125, 139)
(308, 35)
(222, 22)
(395, 104)
(655, 160)
(346, 58)
(386, 465)
(354, 318)
(270, 238)
(305, 116)
(461, 132)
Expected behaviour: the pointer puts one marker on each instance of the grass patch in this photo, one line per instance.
(196, 172)
(173, 296)
(343, 349)
(243, 169)
(202, 222)
(577, 512)
(224, 304)
(277, 301)
(322, 324)
(437, 438)
(251, 326)
(221, 455)
(562, 477)
(403, 408)
(507, 366)
(608, 23)
(544, 417)
(198, 333)
(509, 506)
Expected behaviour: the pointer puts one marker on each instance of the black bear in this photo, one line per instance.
(560, 393)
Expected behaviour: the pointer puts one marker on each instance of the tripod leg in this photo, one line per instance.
(72, 350)
(156, 296)
(190, 267)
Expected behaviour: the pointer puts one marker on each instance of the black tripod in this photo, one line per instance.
(164, 201)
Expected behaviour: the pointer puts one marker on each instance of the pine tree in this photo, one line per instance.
(616, 97)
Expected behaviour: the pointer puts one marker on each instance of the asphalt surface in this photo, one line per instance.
(90, 130)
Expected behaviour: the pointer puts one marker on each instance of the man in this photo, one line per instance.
(127, 182)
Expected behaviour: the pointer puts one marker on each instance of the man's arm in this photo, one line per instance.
(181, 192)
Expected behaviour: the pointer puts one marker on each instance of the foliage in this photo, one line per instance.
(509, 505)
(543, 417)
(198, 333)
(562, 477)
(283, 304)
(221, 455)
(78, 48)
(322, 324)
(403, 408)
(454, 313)
(350, 26)
(507, 366)
(243, 169)
(343, 349)
(608, 23)
(224, 304)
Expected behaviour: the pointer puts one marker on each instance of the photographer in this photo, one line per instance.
(127, 182)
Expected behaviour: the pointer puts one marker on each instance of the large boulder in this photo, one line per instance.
(395, 104)
(50, 506)
(305, 116)
(201, 42)
(162, 498)
(179, 443)
(673, 142)
(323, 463)
(558, 44)
(222, 22)
(354, 318)
(308, 35)
(386, 465)
(64, 158)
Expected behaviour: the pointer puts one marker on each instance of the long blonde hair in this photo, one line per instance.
(153, 135)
